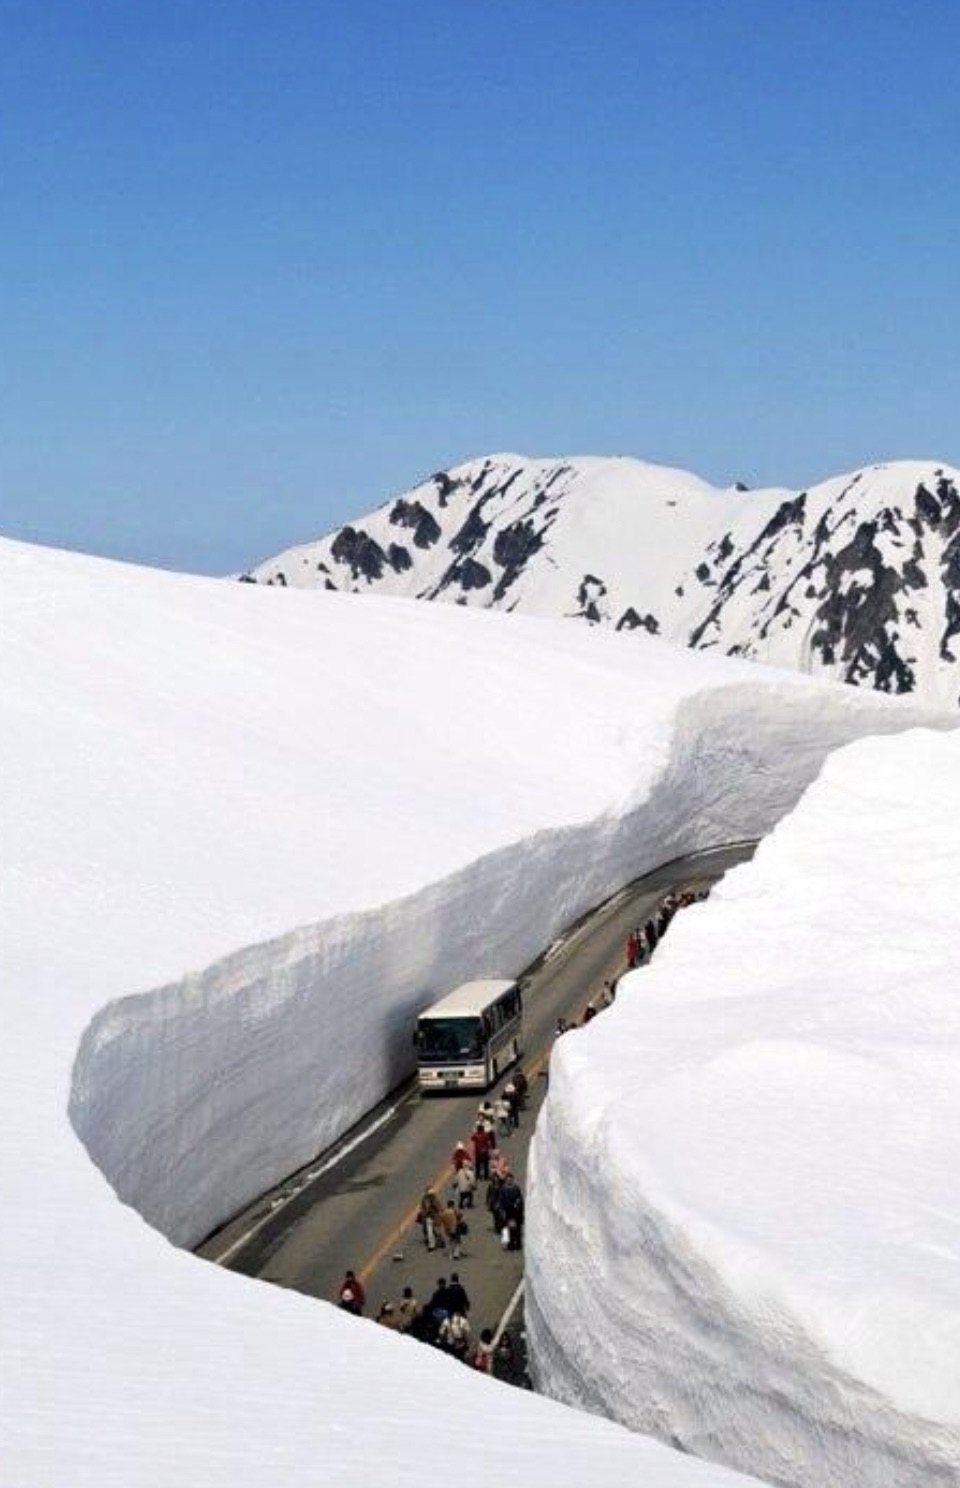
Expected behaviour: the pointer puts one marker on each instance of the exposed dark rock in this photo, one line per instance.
(856, 621)
(446, 486)
(414, 514)
(360, 552)
(631, 620)
(473, 532)
(246, 579)
(591, 589)
(477, 483)
(512, 547)
(473, 575)
(928, 507)
(787, 513)
(702, 572)
(399, 558)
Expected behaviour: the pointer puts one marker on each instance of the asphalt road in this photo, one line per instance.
(355, 1207)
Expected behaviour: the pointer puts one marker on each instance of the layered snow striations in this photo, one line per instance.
(763, 1135)
(247, 835)
(856, 578)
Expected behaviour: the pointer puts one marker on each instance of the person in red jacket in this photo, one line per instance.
(461, 1155)
(483, 1141)
(352, 1297)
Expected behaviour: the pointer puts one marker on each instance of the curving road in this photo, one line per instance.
(355, 1206)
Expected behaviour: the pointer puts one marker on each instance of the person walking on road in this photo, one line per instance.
(389, 1317)
(457, 1295)
(436, 1310)
(512, 1210)
(482, 1356)
(494, 1192)
(428, 1218)
(408, 1309)
(504, 1120)
(451, 1218)
(465, 1182)
(461, 1155)
(455, 1335)
(351, 1296)
(482, 1146)
(512, 1097)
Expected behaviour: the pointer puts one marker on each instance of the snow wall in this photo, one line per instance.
(745, 1182)
(196, 1098)
(188, 768)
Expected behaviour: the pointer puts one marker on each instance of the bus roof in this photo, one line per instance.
(469, 997)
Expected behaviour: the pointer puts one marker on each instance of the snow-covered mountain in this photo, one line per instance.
(857, 578)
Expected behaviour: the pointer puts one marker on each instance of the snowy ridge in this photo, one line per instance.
(857, 578)
(771, 1156)
(190, 773)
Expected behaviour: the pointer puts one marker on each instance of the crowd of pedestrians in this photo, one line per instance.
(443, 1319)
(643, 940)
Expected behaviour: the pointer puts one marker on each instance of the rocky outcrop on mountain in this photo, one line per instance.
(857, 577)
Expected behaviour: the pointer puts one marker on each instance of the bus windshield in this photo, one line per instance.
(450, 1038)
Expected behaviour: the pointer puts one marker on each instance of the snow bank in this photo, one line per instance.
(246, 834)
(747, 1176)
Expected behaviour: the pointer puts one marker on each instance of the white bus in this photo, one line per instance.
(470, 1036)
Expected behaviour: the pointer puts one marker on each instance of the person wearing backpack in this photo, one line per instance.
(482, 1356)
(408, 1310)
(455, 1335)
(352, 1297)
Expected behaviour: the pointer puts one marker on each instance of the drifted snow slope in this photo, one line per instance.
(763, 1135)
(246, 834)
(857, 578)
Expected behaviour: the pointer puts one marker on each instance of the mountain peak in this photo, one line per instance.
(857, 576)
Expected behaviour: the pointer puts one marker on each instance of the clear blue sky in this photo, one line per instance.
(262, 264)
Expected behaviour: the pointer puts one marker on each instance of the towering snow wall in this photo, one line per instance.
(745, 1185)
(246, 834)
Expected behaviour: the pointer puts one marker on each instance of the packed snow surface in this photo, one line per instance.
(246, 835)
(856, 578)
(763, 1132)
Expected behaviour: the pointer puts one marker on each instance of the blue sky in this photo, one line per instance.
(262, 265)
